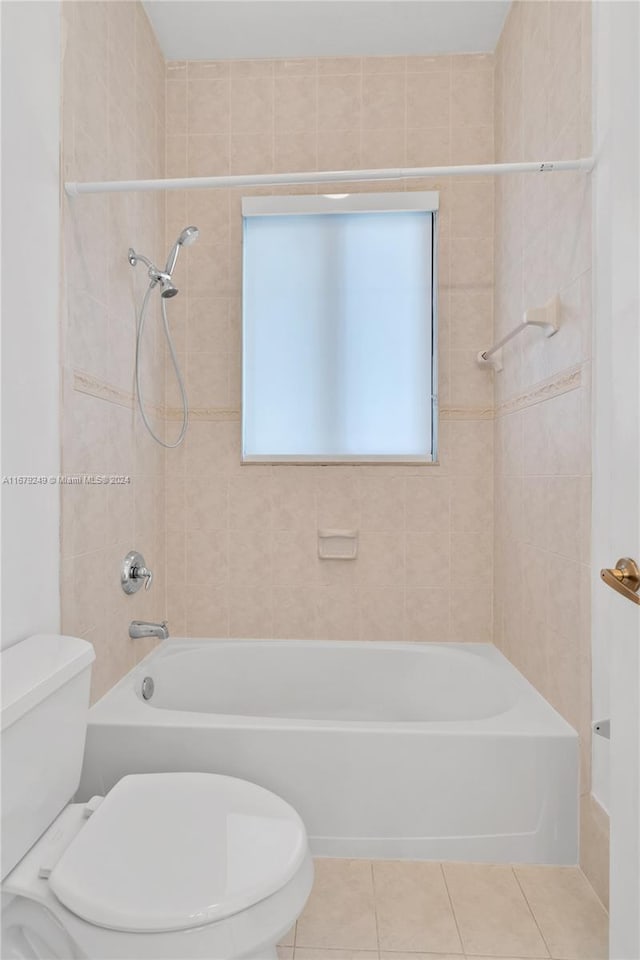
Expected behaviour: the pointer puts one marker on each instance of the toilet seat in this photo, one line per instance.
(173, 851)
(250, 933)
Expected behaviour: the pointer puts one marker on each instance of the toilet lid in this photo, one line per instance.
(169, 851)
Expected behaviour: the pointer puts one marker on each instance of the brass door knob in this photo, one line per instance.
(624, 578)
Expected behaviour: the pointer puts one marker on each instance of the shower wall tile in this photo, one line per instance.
(292, 152)
(428, 146)
(472, 143)
(594, 843)
(113, 126)
(429, 99)
(248, 534)
(543, 452)
(338, 66)
(207, 103)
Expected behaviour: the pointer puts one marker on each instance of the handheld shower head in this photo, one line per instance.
(188, 236)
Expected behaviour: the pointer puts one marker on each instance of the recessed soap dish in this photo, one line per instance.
(337, 544)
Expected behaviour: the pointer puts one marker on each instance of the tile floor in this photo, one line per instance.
(385, 910)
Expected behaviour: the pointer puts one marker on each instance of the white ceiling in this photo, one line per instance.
(253, 29)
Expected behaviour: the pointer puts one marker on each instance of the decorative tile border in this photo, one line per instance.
(203, 413)
(224, 413)
(466, 413)
(86, 383)
(563, 382)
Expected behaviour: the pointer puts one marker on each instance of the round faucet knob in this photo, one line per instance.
(134, 573)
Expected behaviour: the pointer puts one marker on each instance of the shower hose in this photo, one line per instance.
(174, 360)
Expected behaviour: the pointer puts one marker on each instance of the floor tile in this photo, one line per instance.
(284, 953)
(413, 909)
(492, 914)
(572, 920)
(393, 955)
(340, 912)
(315, 953)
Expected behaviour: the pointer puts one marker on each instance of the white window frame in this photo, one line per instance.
(426, 201)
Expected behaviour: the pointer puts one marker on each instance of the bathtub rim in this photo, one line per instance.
(530, 714)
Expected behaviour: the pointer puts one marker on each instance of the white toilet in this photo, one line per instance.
(168, 865)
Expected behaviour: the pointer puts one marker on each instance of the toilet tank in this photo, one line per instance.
(45, 699)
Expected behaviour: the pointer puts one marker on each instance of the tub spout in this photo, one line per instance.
(140, 628)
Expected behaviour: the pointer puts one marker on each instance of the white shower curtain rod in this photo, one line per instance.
(74, 189)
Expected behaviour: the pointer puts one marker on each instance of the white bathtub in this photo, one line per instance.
(420, 751)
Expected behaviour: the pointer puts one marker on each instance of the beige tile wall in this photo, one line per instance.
(543, 399)
(242, 553)
(113, 126)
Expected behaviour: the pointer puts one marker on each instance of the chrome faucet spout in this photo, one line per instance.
(141, 628)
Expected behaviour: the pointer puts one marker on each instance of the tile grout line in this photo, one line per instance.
(531, 911)
(453, 911)
(375, 906)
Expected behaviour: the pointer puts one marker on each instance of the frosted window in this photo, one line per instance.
(338, 329)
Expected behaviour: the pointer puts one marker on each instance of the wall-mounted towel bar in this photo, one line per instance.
(546, 317)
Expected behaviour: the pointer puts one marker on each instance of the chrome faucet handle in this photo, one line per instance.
(142, 573)
(134, 572)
